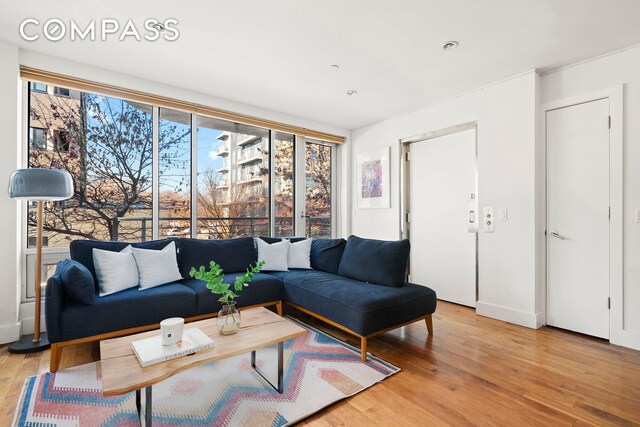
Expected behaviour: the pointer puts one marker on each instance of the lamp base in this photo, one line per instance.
(26, 344)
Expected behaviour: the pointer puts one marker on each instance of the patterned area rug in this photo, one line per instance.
(319, 370)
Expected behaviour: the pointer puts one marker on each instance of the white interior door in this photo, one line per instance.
(578, 218)
(442, 194)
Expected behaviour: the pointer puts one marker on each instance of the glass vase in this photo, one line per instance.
(228, 319)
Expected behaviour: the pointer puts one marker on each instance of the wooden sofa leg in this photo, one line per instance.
(279, 308)
(429, 322)
(56, 355)
(363, 346)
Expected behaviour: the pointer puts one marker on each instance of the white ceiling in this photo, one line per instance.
(276, 54)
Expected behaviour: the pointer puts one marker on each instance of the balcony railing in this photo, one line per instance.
(251, 154)
(218, 227)
(318, 226)
(249, 159)
(251, 139)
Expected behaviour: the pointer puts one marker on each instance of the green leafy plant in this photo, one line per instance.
(215, 280)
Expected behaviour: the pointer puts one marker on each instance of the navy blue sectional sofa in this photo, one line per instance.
(356, 285)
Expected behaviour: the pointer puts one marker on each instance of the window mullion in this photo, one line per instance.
(194, 176)
(299, 185)
(155, 205)
(334, 187)
(272, 180)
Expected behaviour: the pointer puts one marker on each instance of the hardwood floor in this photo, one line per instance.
(473, 371)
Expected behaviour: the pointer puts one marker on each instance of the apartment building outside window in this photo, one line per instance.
(61, 140)
(39, 87)
(61, 91)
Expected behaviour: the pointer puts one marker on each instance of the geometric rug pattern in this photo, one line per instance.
(318, 371)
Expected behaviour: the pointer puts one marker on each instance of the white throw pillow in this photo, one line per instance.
(300, 254)
(275, 255)
(116, 271)
(155, 267)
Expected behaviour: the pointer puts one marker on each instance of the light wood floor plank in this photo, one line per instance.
(473, 371)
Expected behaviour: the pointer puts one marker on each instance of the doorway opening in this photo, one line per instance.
(439, 201)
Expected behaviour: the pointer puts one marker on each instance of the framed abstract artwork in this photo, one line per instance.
(372, 172)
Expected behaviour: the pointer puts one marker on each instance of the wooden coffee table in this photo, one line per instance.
(122, 372)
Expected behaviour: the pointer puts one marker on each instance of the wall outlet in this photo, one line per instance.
(488, 220)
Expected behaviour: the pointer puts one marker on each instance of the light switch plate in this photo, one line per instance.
(488, 220)
(637, 215)
(502, 214)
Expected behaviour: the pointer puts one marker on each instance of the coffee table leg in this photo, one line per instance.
(280, 367)
(146, 421)
(280, 387)
(147, 409)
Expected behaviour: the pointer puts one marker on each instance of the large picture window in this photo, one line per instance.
(143, 171)
(233, 179)
(318, 190)
(174, 173)
(284, 184)
(106, 145)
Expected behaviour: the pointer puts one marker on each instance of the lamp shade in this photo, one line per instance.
(40, 184)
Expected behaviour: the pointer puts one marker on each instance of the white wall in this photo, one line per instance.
(9, 249)
(506, 116)
(11, 311)
(600, 73)
(511, 165)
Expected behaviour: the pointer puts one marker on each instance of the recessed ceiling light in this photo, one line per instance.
(450, 45)
(335, 67)
(352, 92)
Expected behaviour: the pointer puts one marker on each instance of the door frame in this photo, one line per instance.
(617, 334)
(405, 181)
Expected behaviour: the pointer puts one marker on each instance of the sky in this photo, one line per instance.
(208, 144)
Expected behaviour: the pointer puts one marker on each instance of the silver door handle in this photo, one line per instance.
(558, 235)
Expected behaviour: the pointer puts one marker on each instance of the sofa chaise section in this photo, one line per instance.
(362, 309)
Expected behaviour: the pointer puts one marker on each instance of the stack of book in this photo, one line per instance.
(150, 351)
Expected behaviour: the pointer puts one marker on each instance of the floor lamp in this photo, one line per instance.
(40, 185)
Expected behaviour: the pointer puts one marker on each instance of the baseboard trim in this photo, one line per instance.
(27, 317)
(28, 324)
(626, 338)
(10, 333)
(507, 314)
